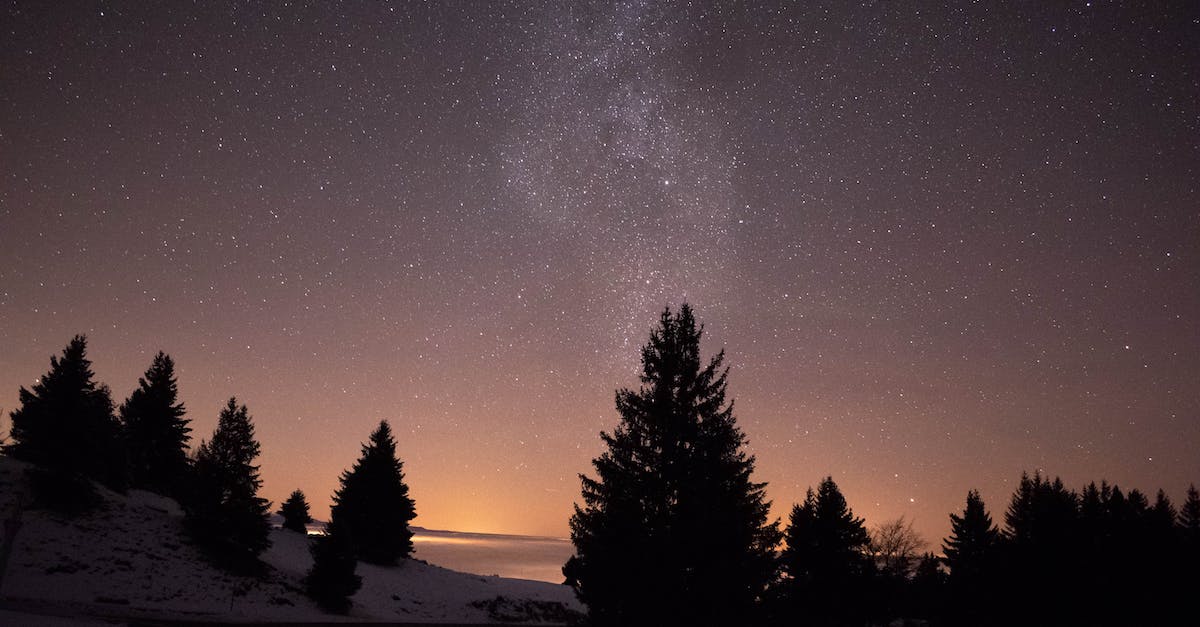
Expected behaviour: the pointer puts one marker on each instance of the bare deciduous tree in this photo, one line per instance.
(897, 547)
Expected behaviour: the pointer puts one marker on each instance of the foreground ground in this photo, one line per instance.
(130, 560)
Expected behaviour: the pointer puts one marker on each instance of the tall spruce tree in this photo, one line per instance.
(970, 549)
(1093, 503)
(1041, 517)
(1162, 550)
(372, 509)
(65, 423)
(295, 513)
(826, 560)
(156, 433)
(1162, 515)
(672, 529)
(1189, 532)
(972, 555)
(225, 513)
(1189, 518)
(1043, 549)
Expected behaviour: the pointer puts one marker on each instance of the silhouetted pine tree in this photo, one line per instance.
(156, 433)
(66, 424)
(672, 529)
(1189, 518)
(971, 555)
(1163, 546)
(1188, 568)
(1093, 504)
(1106, 536)
(295, 513)
(1042, 514)
(1130, 550)
(225, 513)
(1138, 505)
(973, 540)
(1043, 549)
(372, 507)
(826, 561)
(1162, 515)
(332, 580)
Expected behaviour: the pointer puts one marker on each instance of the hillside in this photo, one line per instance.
(130, 558)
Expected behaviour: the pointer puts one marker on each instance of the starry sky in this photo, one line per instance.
(940, 244)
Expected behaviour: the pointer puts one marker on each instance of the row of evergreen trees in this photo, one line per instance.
(67, 422)
(67, 427)
(1056, 549)
(673, 531)
(1059, 546)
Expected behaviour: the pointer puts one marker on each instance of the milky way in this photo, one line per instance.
(940, 245)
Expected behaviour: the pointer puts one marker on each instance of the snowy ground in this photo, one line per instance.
(132, 559)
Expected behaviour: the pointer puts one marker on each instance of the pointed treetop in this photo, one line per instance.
(972, 539)
(382, 435)
(674, 476)
(832, 504)
(73, 368)
(372, 507)
(233, 445)
(226, 514)
(66, 420)
(1189, 514)
(161, 374)
(155, 430)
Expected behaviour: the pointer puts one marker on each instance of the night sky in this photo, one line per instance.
(940, 245)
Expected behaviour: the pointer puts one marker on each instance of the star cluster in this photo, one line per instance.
(940, 244)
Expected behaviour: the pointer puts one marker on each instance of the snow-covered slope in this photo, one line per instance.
(132, 558)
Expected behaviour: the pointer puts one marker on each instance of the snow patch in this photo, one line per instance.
(132, 558)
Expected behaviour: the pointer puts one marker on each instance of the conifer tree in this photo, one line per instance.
(1162, 514)
(824, 537)
(1093, 514)
(1189, 517)
(972, 543)
(672, 529)
(372, 508)
(65, 423)
(225, 513)
(1041, 515)
(1189, 531)
(1044, 547)
(1188, 525)
(827, 559)
(332, 580)
(1158, 550)
(156, 433)
(1161, 537)
(1138, 506)
(295, 513)
(971, 554)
